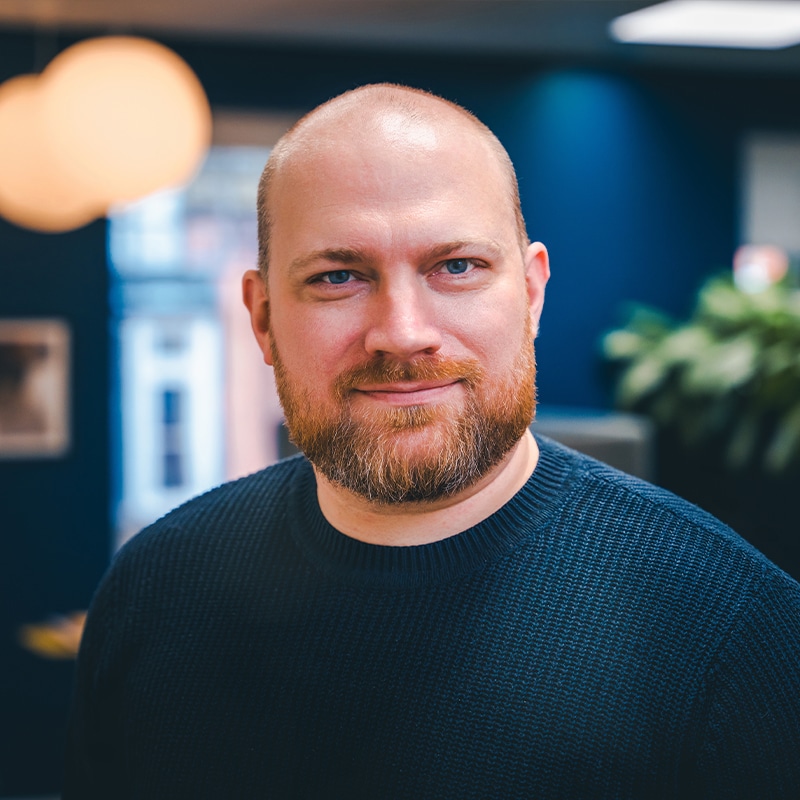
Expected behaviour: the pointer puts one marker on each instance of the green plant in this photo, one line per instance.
(730, 373)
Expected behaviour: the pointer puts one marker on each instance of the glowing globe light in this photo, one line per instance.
(126, 116)
(35, 191)
(757, 267)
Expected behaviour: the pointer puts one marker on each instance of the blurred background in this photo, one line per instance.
(128, 381)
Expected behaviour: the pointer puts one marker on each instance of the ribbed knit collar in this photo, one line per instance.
(492, 539)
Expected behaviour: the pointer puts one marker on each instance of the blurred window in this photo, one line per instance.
(194, 403)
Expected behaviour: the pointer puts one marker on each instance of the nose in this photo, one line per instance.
(402, 322)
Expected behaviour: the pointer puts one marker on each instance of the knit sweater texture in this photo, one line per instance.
(596, 637)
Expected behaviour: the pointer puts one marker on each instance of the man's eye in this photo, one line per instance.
(457, 266)
(337, 276)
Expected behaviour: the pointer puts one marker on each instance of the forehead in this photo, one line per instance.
(388, 159)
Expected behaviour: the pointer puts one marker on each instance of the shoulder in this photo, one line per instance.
(672, 575)
(227, 519)
(201, 552)
(613, 488)
(655, 534)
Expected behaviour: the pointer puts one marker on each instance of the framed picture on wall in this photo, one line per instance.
(34, 388)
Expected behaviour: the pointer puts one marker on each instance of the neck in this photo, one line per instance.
(423, 523)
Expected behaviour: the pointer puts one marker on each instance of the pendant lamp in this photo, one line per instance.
(109, 121)
(35, 191)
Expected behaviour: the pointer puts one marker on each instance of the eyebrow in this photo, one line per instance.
(483, 245)
(337, 255)
(352, 255)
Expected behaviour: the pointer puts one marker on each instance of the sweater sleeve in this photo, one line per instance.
(751, 741)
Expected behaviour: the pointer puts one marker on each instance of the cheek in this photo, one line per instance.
(313, 348)
(494, 330)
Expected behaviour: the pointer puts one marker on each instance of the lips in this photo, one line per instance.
(404, 387)
(407, 394)
(423, 378)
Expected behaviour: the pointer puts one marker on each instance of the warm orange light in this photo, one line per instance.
(35, 191)
(126, 115)
(110, 120)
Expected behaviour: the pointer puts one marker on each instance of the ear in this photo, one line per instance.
(256, 298)
(537, 273)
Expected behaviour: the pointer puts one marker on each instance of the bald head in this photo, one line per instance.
(402, 118)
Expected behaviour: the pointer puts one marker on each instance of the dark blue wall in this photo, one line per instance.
(54, 513)
(630, 178)
(632, 200)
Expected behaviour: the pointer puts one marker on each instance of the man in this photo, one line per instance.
(432, 604)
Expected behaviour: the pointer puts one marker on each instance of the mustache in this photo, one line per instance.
(430, 368)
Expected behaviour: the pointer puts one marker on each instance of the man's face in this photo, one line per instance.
(400, 303)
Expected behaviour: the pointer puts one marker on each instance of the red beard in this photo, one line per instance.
(377, 453)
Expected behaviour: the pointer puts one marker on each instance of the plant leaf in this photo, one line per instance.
(722, 367)
(684, 344)
(785, 444)
(742, 444)
(623, 344)
(639, 380)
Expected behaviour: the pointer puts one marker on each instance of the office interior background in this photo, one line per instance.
(637, 165)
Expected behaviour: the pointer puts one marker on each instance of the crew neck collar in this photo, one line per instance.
(511, 526)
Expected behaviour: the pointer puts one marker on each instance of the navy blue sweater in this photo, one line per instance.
(595, 638)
